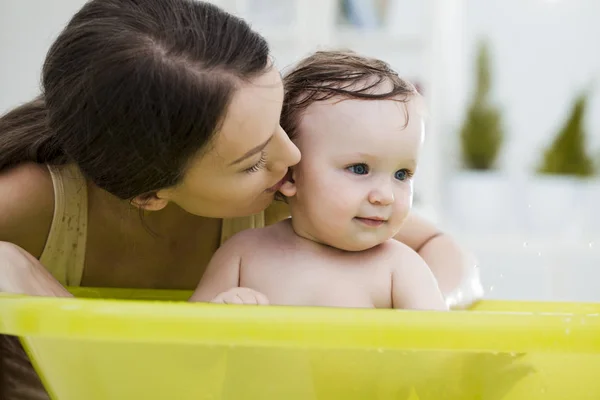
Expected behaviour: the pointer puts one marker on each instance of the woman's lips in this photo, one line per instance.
(278, 185)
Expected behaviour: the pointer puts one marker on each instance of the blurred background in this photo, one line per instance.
(512, 152)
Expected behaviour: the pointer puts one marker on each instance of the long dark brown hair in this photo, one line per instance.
(132, 90)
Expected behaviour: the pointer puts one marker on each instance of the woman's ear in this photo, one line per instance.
(149, 202)
(288, 189)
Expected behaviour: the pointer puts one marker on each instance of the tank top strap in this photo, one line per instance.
(64, 252)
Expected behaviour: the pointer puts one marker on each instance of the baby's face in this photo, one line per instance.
(354, 182)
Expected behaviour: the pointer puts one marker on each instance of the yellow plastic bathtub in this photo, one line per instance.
(139, 347)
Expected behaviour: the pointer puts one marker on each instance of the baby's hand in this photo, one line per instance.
(240, 295)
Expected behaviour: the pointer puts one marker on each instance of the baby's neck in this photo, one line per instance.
(306, 239)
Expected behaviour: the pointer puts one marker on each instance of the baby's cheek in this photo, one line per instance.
(342, 208)
(404, 203)
(405, 192)
(340, 195)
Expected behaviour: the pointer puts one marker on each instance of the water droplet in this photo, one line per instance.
(524, 244)
(380, 351)
(539, 253)
(528, 205)
(568, 331)
(501, 275)
(591, 244)
(491, 288)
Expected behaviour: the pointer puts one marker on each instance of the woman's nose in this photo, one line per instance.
(285, 154)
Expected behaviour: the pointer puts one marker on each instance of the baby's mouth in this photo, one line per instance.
(371, 221)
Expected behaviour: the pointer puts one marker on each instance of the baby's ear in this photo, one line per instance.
(289, 187)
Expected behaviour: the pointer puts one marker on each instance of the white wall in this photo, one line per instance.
(27, 28)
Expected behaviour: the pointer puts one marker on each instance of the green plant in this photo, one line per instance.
(567, 154)
(481, 134)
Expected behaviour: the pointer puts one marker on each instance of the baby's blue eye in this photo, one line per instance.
(359, 169)
(402, 175)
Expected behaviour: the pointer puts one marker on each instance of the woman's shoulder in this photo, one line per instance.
(27, 204)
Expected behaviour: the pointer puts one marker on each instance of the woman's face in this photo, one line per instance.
(246, 162)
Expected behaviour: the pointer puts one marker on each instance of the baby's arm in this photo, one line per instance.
(413, 284)
(220, 282)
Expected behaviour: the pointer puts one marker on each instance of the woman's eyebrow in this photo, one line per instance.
(252, 152)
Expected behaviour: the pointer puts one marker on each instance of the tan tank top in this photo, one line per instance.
(64, 253)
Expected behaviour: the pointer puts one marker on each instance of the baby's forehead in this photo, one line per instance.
(381, 128)
(353, 115)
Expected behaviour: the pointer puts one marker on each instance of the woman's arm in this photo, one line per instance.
(26, 210)
(21, 273)
(454, 268)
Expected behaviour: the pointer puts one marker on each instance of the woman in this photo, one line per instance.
(156, 137)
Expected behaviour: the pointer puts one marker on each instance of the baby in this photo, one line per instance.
(360, 130)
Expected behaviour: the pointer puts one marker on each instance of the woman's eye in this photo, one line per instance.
(402, 174)
(359, 169)
(259, 165)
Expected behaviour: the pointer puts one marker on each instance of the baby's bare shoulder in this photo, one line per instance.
(251, 240)
(397, 255)
(394, 248)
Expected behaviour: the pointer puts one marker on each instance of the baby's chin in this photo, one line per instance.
(356, 245)
(350, 240)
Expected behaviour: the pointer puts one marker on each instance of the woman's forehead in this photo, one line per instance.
(252, 116)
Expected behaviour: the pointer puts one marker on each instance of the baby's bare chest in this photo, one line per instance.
(305, 278)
